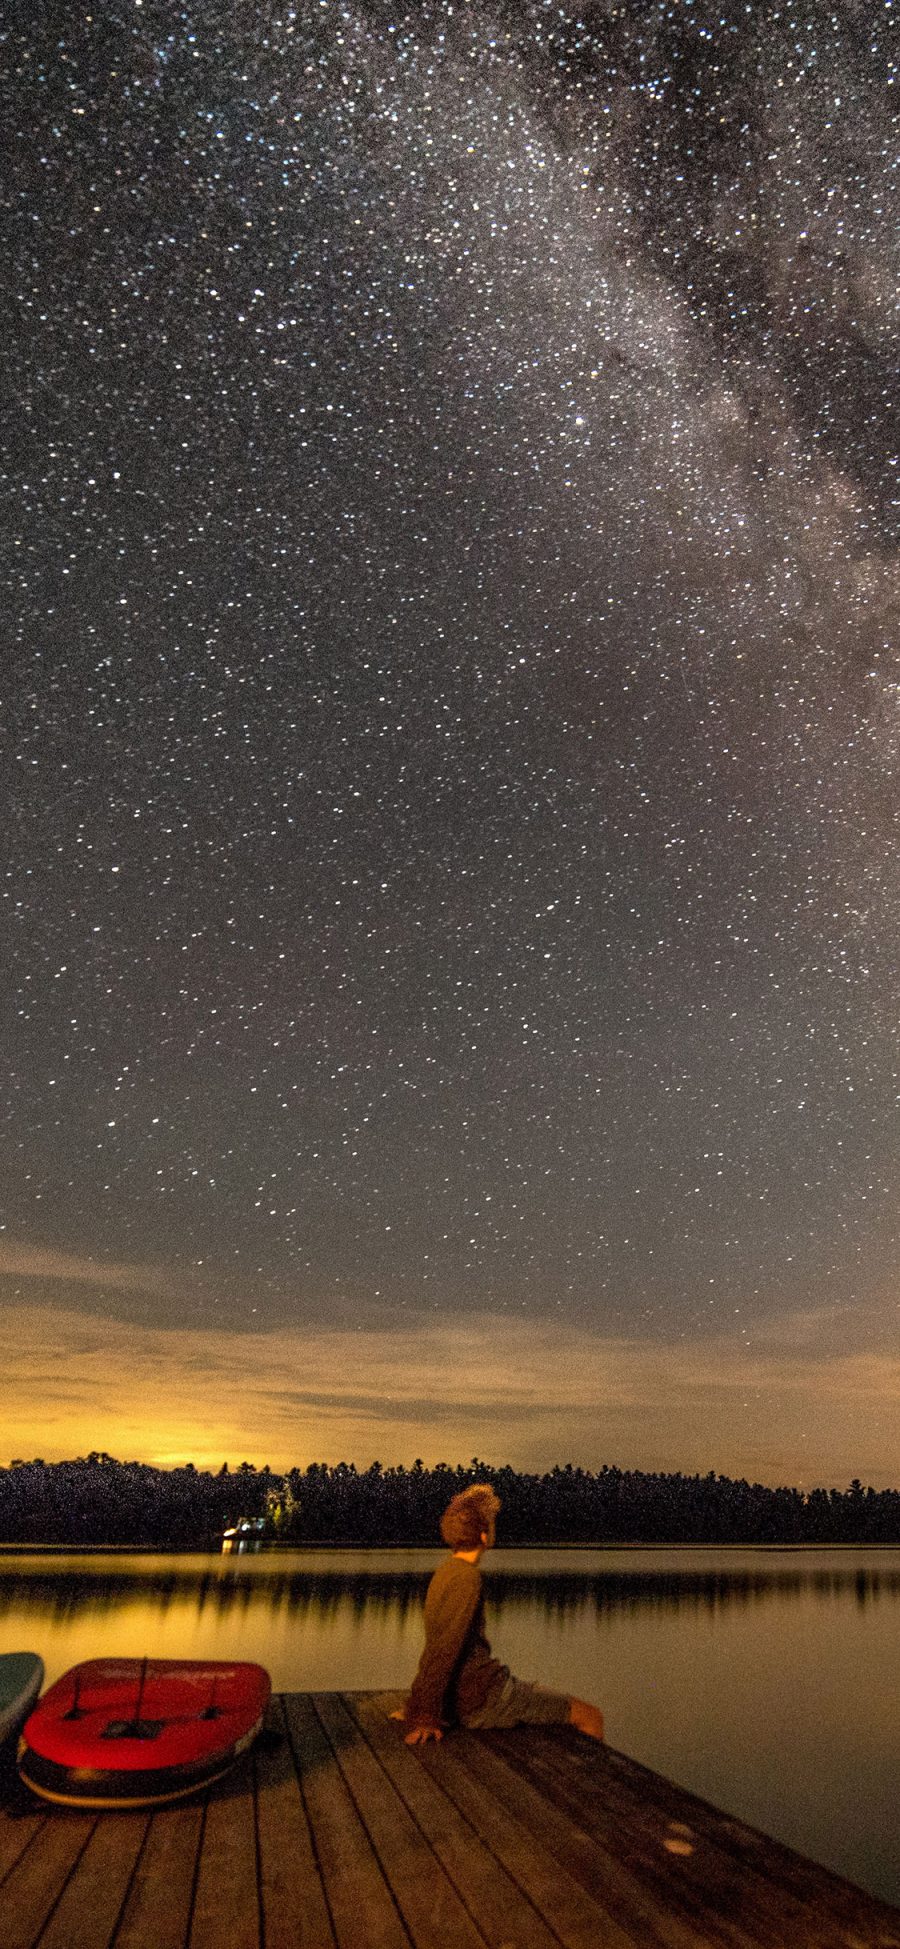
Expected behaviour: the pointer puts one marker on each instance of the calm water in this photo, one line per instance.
(765, 1680)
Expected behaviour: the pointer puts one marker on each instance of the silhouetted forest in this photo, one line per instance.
(97, 1500)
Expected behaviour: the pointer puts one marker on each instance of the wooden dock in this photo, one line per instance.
(333, 1834)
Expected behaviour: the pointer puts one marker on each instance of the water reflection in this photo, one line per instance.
(61, 1587)
(71, 1592)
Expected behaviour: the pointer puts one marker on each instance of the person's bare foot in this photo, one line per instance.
(586, 1718)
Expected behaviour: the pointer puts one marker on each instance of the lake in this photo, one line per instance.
(766, 1680)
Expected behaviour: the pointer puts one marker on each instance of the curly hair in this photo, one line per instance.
(466, 1518)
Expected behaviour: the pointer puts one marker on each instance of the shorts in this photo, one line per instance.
(520, 1703)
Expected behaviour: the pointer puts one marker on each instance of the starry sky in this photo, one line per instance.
(451, 882)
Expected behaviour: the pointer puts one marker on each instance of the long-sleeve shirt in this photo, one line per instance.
(456, 1672)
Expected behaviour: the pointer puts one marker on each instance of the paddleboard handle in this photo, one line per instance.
(76, 1709)
(137, 1728)
(211, 1711)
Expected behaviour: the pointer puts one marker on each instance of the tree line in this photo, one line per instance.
(98, 1500)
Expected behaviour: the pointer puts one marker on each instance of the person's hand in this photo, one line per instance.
(420, 1734)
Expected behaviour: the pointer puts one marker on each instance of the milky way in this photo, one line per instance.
(451, 552)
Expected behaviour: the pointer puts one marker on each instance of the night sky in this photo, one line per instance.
(451, 883)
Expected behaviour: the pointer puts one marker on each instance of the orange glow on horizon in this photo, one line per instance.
(508, 1390)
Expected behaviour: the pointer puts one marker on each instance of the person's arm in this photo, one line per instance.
(443, 1644)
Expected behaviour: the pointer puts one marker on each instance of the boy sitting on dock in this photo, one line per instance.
(458, 1682)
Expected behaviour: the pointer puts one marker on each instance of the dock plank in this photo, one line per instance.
(33, 1888)
(157, 1911)
(602, 1872)
(560, 1898)
(293, 1900)
(227, 1879)
(650, 1887)
(503, 1911)
(363, 1912)
(16, 1834)
(807, 1881)
(429, 1903)
(730, 1871)
(91, 1902)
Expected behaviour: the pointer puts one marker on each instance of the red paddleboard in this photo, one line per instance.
(132, 1732)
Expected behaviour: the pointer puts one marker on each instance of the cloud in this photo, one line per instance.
(34, 1262)
(508, 1390)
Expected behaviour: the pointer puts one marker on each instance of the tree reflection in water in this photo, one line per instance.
(61, 1589)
